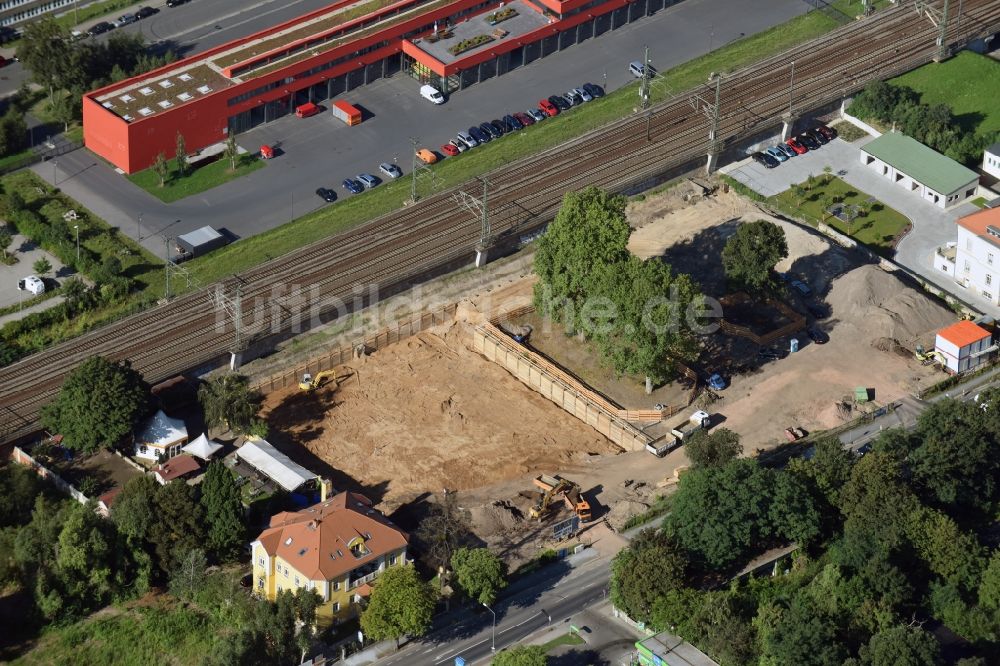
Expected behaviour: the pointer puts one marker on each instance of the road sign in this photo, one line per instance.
(566, 528)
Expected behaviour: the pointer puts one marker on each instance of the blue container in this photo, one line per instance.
(794, 345)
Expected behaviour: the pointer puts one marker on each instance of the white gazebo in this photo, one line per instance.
(274, 464)
(202, 447)
(162, 436)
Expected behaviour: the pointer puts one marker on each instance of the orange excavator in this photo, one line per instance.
(556, 488)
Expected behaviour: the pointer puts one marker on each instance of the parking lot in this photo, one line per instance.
(27, 254)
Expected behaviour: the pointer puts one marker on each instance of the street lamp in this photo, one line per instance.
(493, 640)
(138, 228)
(77, 227)
(55, 165)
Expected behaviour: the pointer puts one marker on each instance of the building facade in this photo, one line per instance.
(15, 12)
(926, 173)
(964, 346)
(991, 160)
(234, 87)
(973, 261)
(337, 548)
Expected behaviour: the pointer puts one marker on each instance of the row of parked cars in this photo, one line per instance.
(361, 182)
(494, 129)
(125, 19)
(796, 145)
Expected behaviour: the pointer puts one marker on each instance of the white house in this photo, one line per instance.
(991, 160)
(964, 346)
(973, 261)
(928, 174)
(161, 437)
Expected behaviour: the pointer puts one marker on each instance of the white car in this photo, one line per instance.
(583, 94)
(636, 69)
(391, 170)
(459, 145)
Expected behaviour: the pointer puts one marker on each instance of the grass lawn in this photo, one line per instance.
(979, 202)
(385, 198)
(569, 638)
(199, 180)
(15, 160)
(969, 83)
(877, 230)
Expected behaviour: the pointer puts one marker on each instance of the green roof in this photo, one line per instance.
(928, 167)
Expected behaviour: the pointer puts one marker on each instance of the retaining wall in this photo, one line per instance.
(21, 457)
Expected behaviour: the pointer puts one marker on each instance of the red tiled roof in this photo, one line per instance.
(109, 497)
(963, 333)
(177, 467)
(315, 540)
(978, 221)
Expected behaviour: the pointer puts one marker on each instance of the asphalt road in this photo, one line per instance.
(321, 151)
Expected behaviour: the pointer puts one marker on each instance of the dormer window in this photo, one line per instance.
(358, 547)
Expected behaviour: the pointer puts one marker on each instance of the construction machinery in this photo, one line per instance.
(929, 357)
(310, 383)
(556, 488)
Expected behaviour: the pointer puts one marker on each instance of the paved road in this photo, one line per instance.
(322, 151)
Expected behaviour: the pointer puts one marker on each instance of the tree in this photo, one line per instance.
(443, 530)
(74, 290)
(19, 487)
(84, 560)
(989, 587)
(649, 568)
(181, 155)
(713, 449)
(13, 133)
(804, 636)
(44, 50)
(188, 576)
(98, 405)
(902, 646)
(232, 151)
(221, 500)
(178, 526)
(877, 502)
(134, 509)
(63, 110)
(480, 573)
(521, 655)
(161, 168)
(952, 554)
(41, 266)
(798, 193)
(827, 470)
(751, 253)
(228, 400)
(401, 605)
(6, 238)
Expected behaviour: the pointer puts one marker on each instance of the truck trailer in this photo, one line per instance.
(695, 422)
(348, 113)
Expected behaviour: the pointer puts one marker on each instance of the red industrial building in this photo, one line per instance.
(450, 44)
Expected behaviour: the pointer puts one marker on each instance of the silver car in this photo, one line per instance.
(467, 139)
(586, 96)
(391, 170)
(368, 180)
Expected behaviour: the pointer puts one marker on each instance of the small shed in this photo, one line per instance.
(179, 467)
(162, 436)
(964, 346)
(202, 447)
(200, 241)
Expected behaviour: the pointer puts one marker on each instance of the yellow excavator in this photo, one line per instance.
(558, 488)
(310, 383)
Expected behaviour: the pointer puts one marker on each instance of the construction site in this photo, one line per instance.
(527, 425)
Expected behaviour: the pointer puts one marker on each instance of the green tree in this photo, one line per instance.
(719, 627)
(13, 133)
(877, 502)
(134, 510)
(805, 636)
(98, 405)
(648, 569)
(6, 238)
(713, 449)
(41, 266)
(401, 605)
(180, 154)
(74, 290)
(161, 168)
(902, 646)
(480, 573)
(188, 575)
(232, 151)
(19, 487)
(828, 470)
(443, 530)
(63, 110)
(952, 554)
(44, 50)
(84, 560)
(178, 527)
(751, 253)
(229, 401)
(521, 655)
(221, 500)
(989, 587)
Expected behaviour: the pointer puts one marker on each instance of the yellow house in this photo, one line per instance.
(335, 547)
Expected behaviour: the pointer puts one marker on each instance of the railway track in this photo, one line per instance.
(403, 245)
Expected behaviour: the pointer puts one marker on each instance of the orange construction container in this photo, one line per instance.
(349, 113)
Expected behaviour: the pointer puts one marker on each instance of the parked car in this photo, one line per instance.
(636, 69)
(548, 107)
(816, 136)
(458, 145)
(801, 287)
(573, 98)
(492, 131)
(145, 12)
(510, 123)
(594, 90)
(524, 119)
(427, 156)
(796, 145)
(450, 149)
(583, 94)
(175, 3)
(368, 180)
(765, 160)
(830, 134)
(777, 153)
(467, 139)
(326, 195)
(479, 135)
(786, 149)
(8, 34)
(808, 141)
(817, 311)
(498, 126)
(100, 28)
(818, 336)
(390, 170)
(716, 382)
(124, 19)
(536, 115)
(560, 102)
(353, 186)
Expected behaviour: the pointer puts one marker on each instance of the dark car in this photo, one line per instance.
(827, 132)
(326, 195)
(8, 34)
(175, 3)
(594, 90)
(498, 126)
(492, 131)
(817, 136)
(766, 160)
(808, 141)
(145, 12)
(524, 119)
(100, 28)
(353, 186)
(818, 336)
(479, 135)
(511, 123)
(560, 102)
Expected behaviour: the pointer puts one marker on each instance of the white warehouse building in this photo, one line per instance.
(910, 164)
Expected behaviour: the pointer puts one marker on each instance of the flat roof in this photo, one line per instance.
(200, 236)
(924, 165)
(525, 21)
(674, 651)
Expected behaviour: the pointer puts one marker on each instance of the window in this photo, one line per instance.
(260, 584)
(968, 244)
(336, 585)
(296, 581)
(989, 279)
(286, 572)
(967, 267)
(261, 561)
(279, 588)
(336, 606)
(392, 560)
(989, 258)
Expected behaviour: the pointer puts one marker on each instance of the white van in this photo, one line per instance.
(32, 284)
(431, 93)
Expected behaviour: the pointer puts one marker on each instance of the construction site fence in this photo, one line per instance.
(21, 457)
(384, 338)
(557, 386)
(797, 321)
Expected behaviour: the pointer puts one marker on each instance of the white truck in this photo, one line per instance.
(663, 445)
(700, 419)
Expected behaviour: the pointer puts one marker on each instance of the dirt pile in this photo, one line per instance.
(882, 308)
(496, 518)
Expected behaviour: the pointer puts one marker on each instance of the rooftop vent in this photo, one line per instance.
(288, 541)
(204, 90)
(126, 98)
(340, 553)
(127, 118)
(146, 91)
(302, 552)
(108, 105)
(185, 77)
(185, 96)
(165, 104)
(145, 111)
(166, 83)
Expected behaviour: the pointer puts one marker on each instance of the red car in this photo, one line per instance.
(449, 150)
(524, 119)
(794, 144)
(548, 108)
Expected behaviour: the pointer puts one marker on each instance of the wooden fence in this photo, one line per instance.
(332, 359)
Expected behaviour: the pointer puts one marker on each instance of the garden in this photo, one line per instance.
(171, 184)
(469, 44)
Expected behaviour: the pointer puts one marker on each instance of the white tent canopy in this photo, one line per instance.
(265, 458)
(161, 430)
(202, 447)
